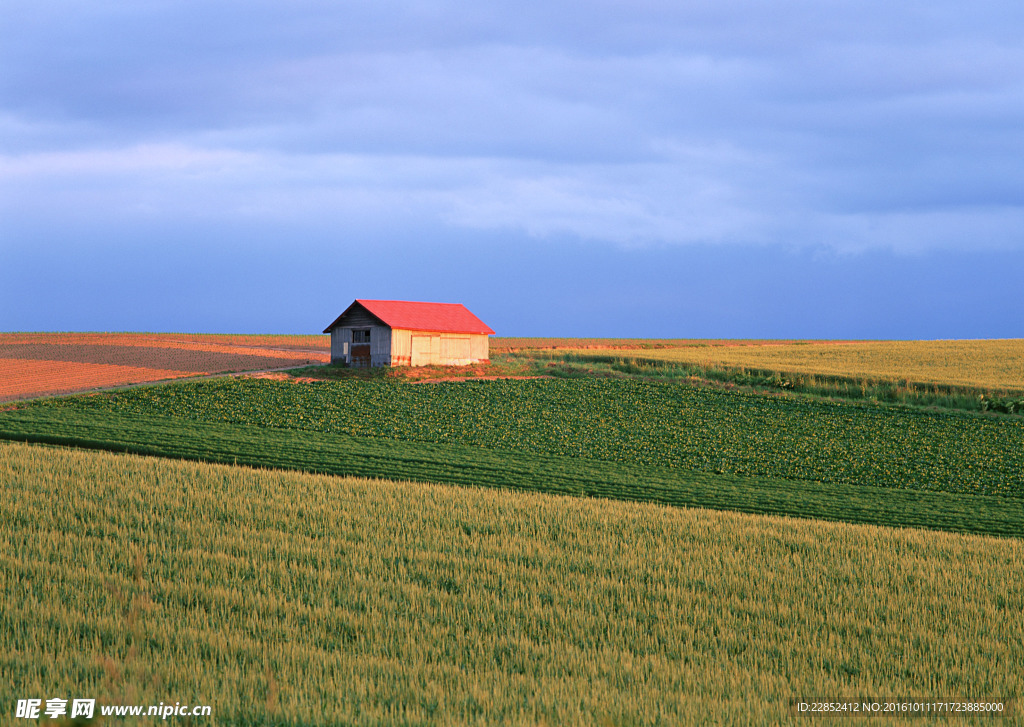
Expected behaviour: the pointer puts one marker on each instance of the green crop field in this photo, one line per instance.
(619, 439)
(583, 572)
(476, 466)
(282, 598)
(973, 376)
(992, 364)
(619, 422)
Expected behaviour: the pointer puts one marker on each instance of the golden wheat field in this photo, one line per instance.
(996, 364)
(283, 598)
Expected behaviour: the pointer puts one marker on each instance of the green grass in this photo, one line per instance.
(363, 456)
(621, 422)
(289, 599)
(686, 365)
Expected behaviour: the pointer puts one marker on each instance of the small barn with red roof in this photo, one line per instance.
(405, 333)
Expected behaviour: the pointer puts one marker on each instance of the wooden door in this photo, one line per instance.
(420, 351)
(361, 354)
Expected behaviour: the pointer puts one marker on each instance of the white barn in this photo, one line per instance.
(406, 333)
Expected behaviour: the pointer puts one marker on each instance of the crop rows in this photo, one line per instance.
(338, 454)
(996, 364)
(625, 422)
(282, 598)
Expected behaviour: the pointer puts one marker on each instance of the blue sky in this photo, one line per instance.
(812, 169)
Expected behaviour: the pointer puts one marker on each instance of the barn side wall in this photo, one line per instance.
(401, 347)
(480, 348)
(426, 348)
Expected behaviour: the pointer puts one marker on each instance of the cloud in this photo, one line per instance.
(686, 199)
(843, 126)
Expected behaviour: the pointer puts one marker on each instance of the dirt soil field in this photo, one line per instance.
(42, 364)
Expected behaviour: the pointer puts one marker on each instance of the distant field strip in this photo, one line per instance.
(174, 340)
(621, 422)
(996, 364)
(503, 344)
(206, 360)
(289, 599)
(476, 466)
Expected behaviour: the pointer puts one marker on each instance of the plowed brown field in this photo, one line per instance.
(178, 340)
(38, 364)
(20, 378)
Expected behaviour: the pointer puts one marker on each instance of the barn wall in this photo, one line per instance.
(380, 343)
(380, 346)
(455, 350)
(394, 347)
(358, 318)
(341, 342)
(401, 347)
(479, 348)
(430, 348)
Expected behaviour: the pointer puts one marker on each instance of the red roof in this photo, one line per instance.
(411, 316)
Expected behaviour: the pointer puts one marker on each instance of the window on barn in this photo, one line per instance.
(361, 336)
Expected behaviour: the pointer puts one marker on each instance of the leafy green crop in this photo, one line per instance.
(622, 421)
(343, 454)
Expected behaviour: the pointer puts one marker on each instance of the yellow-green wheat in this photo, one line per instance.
(997, 364)
(296, 599)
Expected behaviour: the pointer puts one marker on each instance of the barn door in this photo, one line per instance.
(420, 351)
(361, 347)
(361, 354)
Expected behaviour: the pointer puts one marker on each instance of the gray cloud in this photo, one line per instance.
(838, 125)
